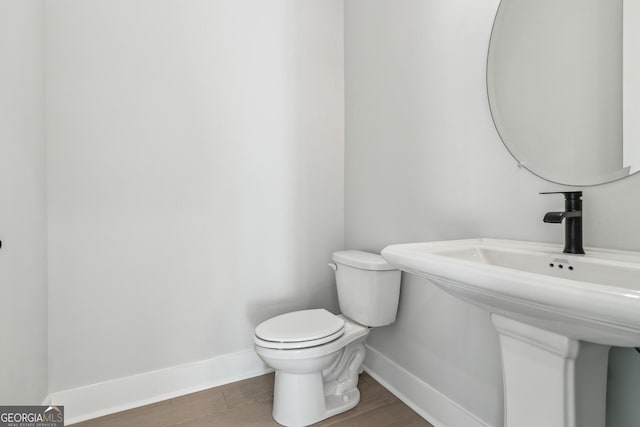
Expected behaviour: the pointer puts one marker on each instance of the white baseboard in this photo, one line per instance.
(117, 395)
(428, 402)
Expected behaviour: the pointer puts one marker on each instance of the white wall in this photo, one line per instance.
(195, 176)
(424, 162)
(631, 84)
(23, 286)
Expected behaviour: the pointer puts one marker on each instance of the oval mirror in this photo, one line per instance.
(560, 86)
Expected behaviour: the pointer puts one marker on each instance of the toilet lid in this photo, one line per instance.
(299, 326)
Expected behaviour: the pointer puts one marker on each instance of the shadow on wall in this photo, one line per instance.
(315, 162)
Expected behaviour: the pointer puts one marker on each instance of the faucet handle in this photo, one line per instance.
(568, 195)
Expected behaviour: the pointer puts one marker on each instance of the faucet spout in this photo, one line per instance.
(557, 217)
(553, 217)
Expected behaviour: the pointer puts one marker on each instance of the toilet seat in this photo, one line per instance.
(297, 344)
(299, 329)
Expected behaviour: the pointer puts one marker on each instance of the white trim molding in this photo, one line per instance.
(428, 402)
(108, 397)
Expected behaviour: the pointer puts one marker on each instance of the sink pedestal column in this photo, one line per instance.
(551, 380)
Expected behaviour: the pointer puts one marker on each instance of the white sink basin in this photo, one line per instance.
(556, 315)
(593, 297)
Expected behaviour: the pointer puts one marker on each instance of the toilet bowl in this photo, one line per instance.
(316, 382)
(317, 355)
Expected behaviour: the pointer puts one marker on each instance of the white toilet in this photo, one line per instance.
(317, 355)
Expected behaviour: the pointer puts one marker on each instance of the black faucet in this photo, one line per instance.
(573, 224)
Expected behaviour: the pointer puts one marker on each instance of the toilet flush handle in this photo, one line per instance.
(333, 266)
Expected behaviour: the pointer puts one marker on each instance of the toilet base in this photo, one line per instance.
(298, 400)
(303, 399)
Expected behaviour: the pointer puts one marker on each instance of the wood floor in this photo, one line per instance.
(248, 403)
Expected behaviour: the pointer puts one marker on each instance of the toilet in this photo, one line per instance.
(317, 355)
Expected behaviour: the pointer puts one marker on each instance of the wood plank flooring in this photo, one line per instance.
(248, 404)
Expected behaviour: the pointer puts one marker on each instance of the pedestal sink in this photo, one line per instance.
(556, 314)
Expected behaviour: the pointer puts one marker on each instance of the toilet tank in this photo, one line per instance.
(368, 287)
